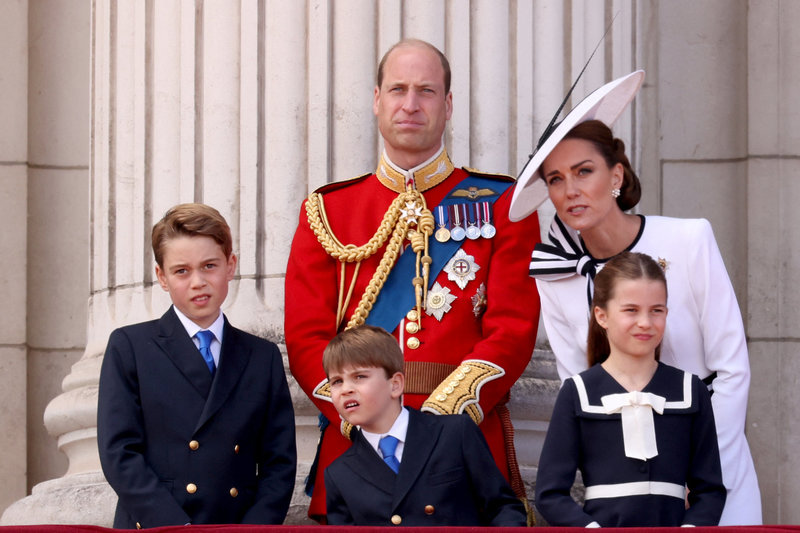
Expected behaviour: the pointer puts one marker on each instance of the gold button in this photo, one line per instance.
(191, 488)
(193, 445)
(412, 327)
(236, 449)
(448, 390)
(412, 343)
(234, 492)
(396, 519)
(429, 509)
(138, 525)
(412, 315)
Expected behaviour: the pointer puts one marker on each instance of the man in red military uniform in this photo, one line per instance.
(427, 252)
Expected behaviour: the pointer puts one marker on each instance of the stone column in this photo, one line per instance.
(14, 241)
(773, 170)
(52, 88)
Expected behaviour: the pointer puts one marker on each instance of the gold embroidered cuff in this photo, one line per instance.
(346, 428)
(323, 391)
(460, 392)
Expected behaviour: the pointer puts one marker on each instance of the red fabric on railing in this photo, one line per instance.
(50, 528)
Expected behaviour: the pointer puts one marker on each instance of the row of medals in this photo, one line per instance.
(469, 220)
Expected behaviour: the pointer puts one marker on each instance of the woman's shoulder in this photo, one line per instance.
(661, 233)
(687, 226)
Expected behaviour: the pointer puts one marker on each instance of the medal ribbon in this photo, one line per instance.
(456, 218)
(397, 296)
(442, 222)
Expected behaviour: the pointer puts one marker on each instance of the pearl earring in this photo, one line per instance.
(615, 193)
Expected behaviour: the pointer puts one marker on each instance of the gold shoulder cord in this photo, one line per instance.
(408, 217)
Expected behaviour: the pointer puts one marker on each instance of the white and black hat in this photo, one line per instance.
(605, 104)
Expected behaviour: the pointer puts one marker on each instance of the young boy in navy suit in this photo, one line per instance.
(194, 421)
(405, 467)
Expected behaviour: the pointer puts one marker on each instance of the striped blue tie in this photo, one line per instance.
(387, 445)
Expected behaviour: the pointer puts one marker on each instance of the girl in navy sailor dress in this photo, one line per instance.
(640, 432)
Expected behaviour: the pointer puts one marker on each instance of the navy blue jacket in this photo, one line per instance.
(179, 447)
(631, 492)
(447, 478)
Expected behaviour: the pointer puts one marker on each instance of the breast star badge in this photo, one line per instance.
(439, 300)
(461, 268)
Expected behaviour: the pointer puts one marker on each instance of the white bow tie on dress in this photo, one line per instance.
(638, 431)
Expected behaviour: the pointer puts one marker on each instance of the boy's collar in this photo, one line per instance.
(398, 430)
(191, 328)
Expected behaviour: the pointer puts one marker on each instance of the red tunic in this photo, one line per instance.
(503, 335)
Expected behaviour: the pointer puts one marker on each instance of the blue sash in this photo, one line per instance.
(397, 295)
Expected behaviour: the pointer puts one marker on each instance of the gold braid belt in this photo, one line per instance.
(408, 217)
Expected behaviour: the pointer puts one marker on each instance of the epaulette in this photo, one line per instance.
(336, 185)
(498, 177)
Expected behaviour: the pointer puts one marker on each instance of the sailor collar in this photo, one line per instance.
(673, 384)
(424, 176)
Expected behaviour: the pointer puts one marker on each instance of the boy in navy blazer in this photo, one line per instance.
(194, 421)
(405, 467)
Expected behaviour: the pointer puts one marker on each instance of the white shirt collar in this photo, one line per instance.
(398, 430)
(191, 328)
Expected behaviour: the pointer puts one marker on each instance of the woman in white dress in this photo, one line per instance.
(584, 171)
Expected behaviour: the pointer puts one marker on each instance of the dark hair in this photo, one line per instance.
(368, 346)
(625, 266)
(191, 220)
(613, 151)
(423, 44)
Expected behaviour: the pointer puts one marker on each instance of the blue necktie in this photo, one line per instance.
(387, 446)
(205, 337)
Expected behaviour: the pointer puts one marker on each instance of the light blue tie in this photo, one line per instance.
(205, 337)
(387, 445)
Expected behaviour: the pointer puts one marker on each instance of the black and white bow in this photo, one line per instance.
(562, 257)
